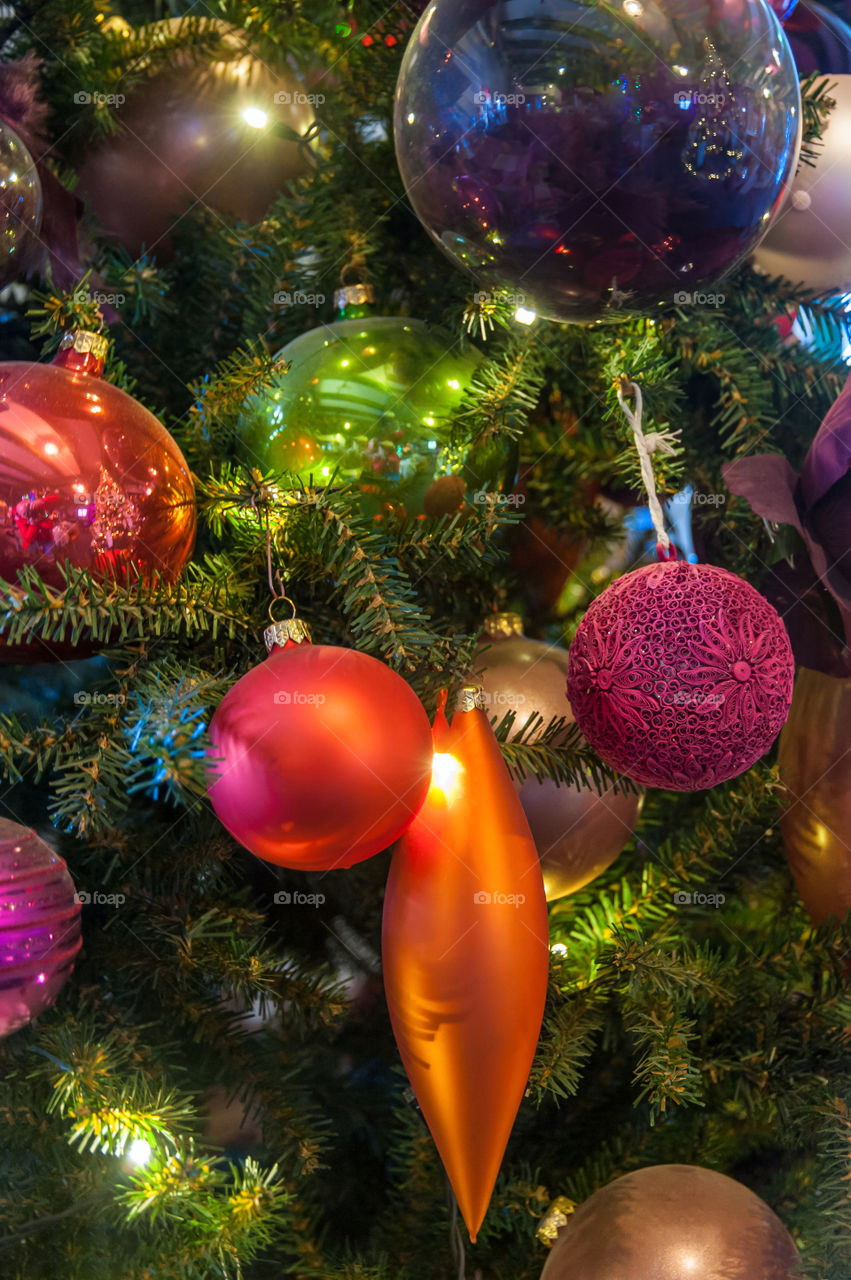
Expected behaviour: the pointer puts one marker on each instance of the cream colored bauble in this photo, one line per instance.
(810, 239)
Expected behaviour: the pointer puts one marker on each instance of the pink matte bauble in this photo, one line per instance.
(680, 675)
(185, 137)
(577, 832)
(321, 757)
(39, 925)
(673, 1222)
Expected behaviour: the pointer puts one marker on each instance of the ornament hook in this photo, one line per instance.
(281, 599)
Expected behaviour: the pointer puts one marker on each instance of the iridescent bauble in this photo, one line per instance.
(321, 756)
(88, 475)
(201, 130)
(370, 402)
(591, 157)
(20, 203)
(39, 926)
(577, 832)
(680, 675)
(673, 1222)
(808, 239)
(815, 766)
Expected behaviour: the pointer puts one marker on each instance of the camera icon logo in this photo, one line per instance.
(682, 299)
(82, 897)
(682, 899)
(481, 899)
(81, 97)
(283, 698)
(283, 897)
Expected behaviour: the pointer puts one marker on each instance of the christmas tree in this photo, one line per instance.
(209, 1084)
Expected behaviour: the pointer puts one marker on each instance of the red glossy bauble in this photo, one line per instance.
(202, 130)
(87, 475)
(321, 756)
(88, 478)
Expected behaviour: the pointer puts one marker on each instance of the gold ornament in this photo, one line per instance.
(815, 765)
(554, 1219)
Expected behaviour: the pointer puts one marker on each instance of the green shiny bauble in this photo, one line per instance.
(370, 402)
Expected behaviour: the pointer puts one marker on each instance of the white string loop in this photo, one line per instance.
(645, 445)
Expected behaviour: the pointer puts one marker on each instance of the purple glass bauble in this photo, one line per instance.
(680, 675)
(39, 925)
(593, 158)
(783, 8)
(820, 40)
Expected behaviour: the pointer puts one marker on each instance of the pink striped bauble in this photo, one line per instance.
(39, 925)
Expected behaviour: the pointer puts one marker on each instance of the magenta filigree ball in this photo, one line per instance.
(680, 675)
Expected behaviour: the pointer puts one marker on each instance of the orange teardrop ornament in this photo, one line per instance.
(466, 956)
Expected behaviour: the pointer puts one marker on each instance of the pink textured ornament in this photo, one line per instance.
(680, 675)
(39, 925)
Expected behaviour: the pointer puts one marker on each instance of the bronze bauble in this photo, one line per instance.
(194, 133)
(577, 832)
(673, 1222)
(815, 765)
(808, 240)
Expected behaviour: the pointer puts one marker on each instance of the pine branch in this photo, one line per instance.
(202, 602)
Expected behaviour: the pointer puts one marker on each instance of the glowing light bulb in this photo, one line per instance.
(524, 316)
(51, 449)
(139, 1152)
(445, 773)
(558, 949)
(255, 117)
(454, 384)
(633, 8)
